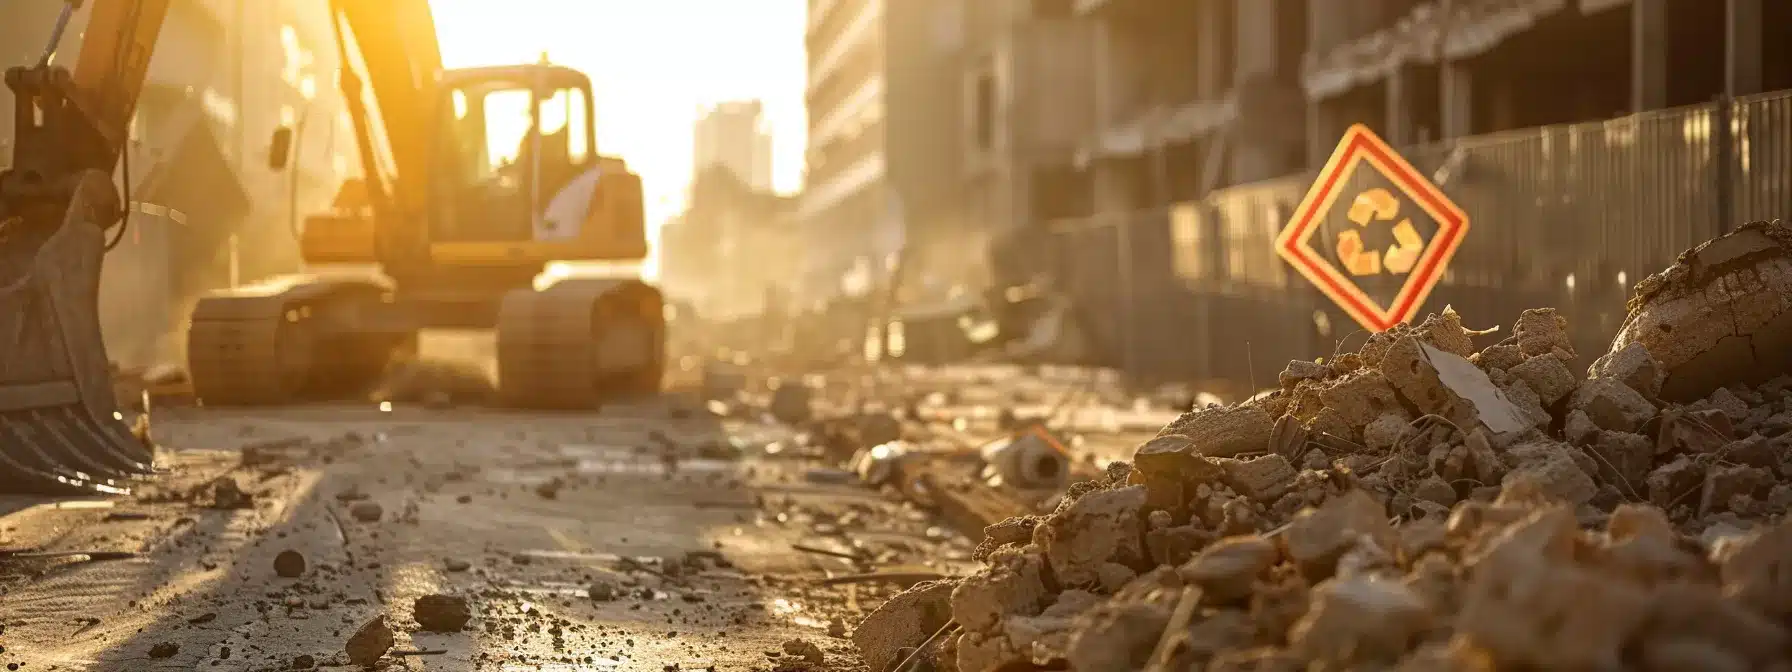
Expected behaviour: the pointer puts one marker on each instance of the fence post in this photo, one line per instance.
(1123, 274)
(1725, 157)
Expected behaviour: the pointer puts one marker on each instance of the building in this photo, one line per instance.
(717, 250)
(734, 135)
(846, 210)
(210, 210)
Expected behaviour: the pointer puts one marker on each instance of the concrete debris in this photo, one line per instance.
(1417, 505)
(366, 512)
(289, 565)
(370, 643)
(905, 621)
(442, 613)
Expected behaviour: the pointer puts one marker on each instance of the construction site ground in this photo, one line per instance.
(711, 537)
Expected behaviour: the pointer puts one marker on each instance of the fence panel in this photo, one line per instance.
(1567, 216)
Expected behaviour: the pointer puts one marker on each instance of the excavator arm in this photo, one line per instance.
(388, 48)
(59, 427)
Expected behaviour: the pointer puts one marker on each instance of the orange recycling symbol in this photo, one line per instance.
(1379, 254)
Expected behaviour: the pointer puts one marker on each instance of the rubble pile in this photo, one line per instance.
(1420, 505)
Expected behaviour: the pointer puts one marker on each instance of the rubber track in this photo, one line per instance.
(236, 362)
(547, 357)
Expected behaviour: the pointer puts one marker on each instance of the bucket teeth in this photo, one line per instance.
(58, 451)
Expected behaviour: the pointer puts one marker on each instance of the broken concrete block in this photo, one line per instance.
(1047, 636)
(1102, 526)
(1360, 618)
(1227, 569)
(1385, 431)
(1624, 458)
(1542, 331)
(1529, 606)
(1317, 537)
(1445, 384)
(1224, 432)
(1499, 357)
(1445, 332)
(1264, 479)
(1529, 405)
(1175, 456)
(1722, 399)
(1118, 636)
(1633, 366)
(1360, 398)
(1726, 481)
(980, 651)
(1611, 405)
(1548, 376)
(1009, 585)
(1674, 483)
(1719, 315)
(904, 621)
(1298, 370)
(1175, 545)
(1547, 469)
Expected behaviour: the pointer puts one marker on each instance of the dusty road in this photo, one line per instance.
(521, 514)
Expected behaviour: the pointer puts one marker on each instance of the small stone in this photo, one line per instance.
(456, 565)
(1224, 432)
(601, 591)
(370, 643)
(1548, 376)
(1264, 479)
(289, 565)
(1612, 405)
(1633, 366)
(1228, 569)
(442, 613)
(367, 511)
(164, 650)
(806, 650)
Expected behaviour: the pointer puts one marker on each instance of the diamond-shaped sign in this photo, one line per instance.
(1375, 241)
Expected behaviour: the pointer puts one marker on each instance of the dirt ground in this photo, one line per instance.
(519, 513)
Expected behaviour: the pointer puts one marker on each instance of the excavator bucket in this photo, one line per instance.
(60, 433)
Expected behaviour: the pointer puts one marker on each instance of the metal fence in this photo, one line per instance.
(1567, 216)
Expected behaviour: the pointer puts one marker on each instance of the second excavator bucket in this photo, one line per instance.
(59, 429)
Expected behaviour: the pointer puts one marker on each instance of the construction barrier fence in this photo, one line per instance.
(1569, 216)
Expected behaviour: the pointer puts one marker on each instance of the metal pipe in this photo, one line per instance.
(68, 12)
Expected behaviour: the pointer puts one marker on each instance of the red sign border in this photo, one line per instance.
(1360, 144)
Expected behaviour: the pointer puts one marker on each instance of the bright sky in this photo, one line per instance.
(652, 63)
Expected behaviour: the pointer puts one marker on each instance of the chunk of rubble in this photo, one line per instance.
(1098, 528)
(1010, 585)
(905, 621)
(1224, 432)
(1719, 315)
(1612, 405)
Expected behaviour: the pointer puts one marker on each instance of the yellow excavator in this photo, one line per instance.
(458, 229)
(474, 183)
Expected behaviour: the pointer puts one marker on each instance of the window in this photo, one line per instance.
(565, 111)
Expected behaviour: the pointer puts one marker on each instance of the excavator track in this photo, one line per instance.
(257, 348)
(579, 344)
(241, 362)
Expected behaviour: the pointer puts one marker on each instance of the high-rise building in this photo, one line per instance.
(844, 195)
(734, 135)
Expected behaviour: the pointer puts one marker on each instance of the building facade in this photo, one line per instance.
(846, 208)
(734, 135)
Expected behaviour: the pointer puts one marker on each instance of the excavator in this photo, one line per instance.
(475, 183)
(459, 231)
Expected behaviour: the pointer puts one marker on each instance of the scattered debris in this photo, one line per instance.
(367, 511)
(370, 643)
(289, 565)
(442, 613)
